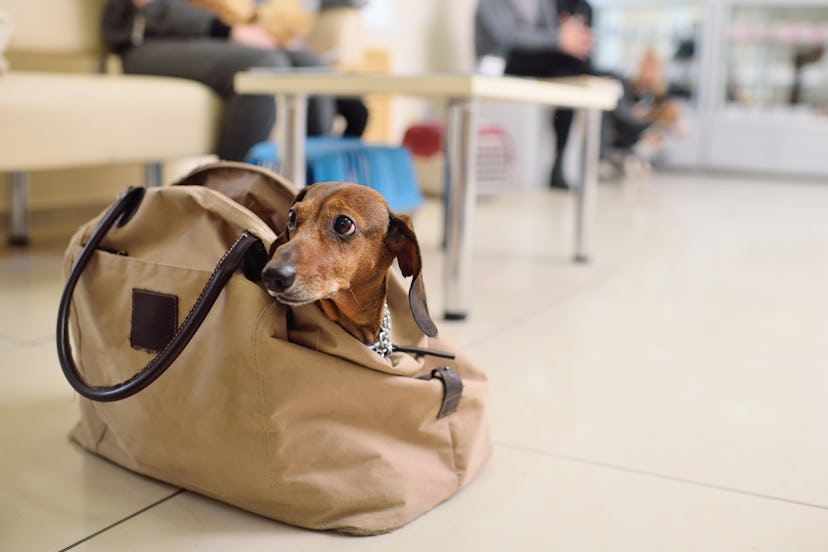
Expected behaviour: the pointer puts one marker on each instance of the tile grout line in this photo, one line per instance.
(37, 341)
(612, 270)
(554, 303)
(120, 521)
(656, 475)
(551, 304)
(24, 342)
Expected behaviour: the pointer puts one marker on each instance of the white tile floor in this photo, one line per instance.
(670, 396)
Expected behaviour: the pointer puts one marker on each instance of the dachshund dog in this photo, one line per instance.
(341, 239)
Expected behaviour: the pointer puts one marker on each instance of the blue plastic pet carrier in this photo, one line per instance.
(389, 170)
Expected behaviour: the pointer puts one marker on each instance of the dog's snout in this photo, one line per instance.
(279, 277)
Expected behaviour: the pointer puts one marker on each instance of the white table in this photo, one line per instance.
(462, 93)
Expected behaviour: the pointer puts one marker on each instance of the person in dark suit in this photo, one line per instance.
(539, 38)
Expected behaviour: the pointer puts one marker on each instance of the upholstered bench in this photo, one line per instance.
(65, 105)
(63, 120)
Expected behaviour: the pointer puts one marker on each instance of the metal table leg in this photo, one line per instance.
(292, 139)
(153, 175)
(460, 188)
(587, 191)
(19, 208)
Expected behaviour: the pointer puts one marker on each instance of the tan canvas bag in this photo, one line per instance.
(192, 374)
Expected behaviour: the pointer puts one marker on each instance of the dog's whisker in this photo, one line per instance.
(353, 295)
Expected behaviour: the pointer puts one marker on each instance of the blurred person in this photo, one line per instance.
(646, 112)
(176, 38)
(539, 38)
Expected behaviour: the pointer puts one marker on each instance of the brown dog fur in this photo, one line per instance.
(341, 240)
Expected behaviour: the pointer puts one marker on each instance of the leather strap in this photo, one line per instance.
(452, 389)
(422, 351)
(121, 211)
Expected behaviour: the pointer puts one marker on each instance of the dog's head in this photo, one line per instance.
(343, 238)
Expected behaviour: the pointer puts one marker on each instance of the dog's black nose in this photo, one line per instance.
(279, 277)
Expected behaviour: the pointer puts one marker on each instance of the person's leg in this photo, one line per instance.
(246, 119)
(561, 123)
(550, 64)
(566, 66)
(355, 114)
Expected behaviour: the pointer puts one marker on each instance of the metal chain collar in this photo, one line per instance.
(383, 346)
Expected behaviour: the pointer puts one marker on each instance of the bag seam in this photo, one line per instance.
(268, 444)
(100, 438)
(452, 442)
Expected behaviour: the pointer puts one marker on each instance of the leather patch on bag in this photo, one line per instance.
(154, 320)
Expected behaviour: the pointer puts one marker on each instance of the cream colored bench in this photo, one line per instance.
(61, 121)
(57, 113)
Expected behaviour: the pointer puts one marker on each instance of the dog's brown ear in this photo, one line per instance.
(301, 194)
(402, 241)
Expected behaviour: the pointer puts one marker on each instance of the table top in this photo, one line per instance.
(574, 92)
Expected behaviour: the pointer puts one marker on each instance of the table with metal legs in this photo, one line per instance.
(462, 93)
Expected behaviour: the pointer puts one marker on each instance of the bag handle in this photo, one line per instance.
(123, 209)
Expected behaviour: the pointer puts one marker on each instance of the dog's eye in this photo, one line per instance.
(344, 226)
(291, 220)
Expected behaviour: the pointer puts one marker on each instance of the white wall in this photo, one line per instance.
(427, 35)
(422, 36)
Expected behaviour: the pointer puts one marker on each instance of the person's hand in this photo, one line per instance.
(252, 34)
(141, 3)
(575, 37)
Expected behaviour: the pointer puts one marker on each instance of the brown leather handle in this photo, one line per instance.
(120, 213)
(452, 388)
